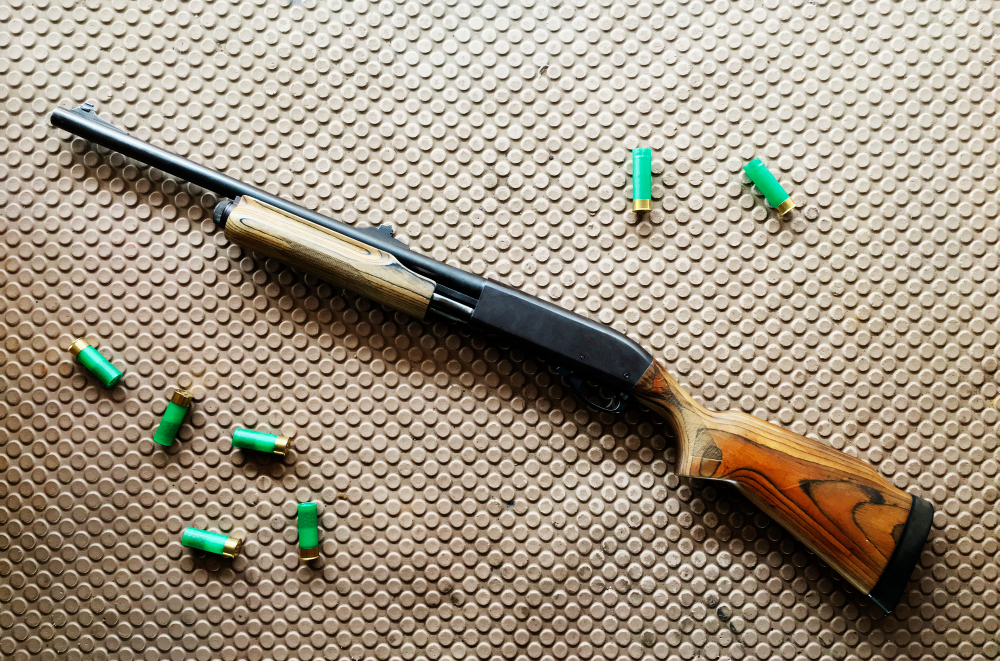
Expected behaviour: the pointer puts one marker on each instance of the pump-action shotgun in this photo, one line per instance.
(837, 505)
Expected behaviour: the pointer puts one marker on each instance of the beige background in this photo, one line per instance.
(471, 508)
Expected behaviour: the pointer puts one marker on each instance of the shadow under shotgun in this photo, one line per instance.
(837, 505)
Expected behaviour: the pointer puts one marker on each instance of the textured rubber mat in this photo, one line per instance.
(470, 507)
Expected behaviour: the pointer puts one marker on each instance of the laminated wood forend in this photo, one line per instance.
(336, 258)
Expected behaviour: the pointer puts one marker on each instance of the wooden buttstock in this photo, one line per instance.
(334, 257)
(837, 505)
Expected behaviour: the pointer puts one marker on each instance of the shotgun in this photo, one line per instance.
(837, 505)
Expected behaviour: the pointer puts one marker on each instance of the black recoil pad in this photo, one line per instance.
(896, 575)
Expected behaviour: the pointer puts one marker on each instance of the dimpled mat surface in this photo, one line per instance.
(470, 507)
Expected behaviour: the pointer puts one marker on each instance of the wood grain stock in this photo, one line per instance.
(837, 505)
(334, 257)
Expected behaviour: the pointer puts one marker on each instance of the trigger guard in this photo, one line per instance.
(618, 403)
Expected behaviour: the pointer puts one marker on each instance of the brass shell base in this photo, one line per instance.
(78, 345)
(232, 547)
(642, 205)
(785, 207)
(181, 398)
(309, 554)
(281, 445)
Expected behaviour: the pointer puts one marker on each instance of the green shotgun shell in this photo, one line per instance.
(766, 183)
(212, 542)
(308, 532)
(248, 439)
(177, 408)
(95, 363)
(642, 179)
